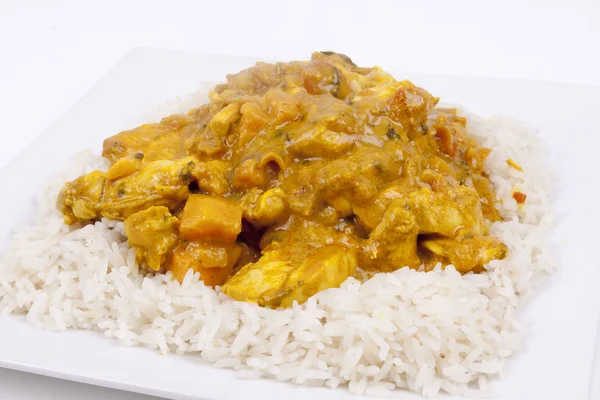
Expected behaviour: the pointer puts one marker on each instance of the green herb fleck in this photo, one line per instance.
(185, 175)
(392, 134)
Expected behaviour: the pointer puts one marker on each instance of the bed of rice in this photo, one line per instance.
(426, 332)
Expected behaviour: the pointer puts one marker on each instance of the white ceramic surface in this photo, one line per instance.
(556, 362)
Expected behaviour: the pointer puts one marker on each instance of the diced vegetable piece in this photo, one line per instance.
(211, 219)
(213, 263)
(519, 197)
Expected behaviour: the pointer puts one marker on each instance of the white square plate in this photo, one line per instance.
(557, 359)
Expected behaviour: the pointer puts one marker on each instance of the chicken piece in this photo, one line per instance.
(468, 253)
(265, 156)
(212, 177)
(263, 209)
(434, 179)
(302, 237)
(299, 190)
(393, 243)
(335, 73)
(205, 145)
(377, 166)
(275, 283)
(254, 279)
(322, 77)
(151, 142)
(123, 167)
(159, 183)
(410, 107)
(370, 215)
(327, 268)
(318, 141)
(296, 257)
(78, 200)
(153, 233)
(212, 219)
(222, 121)
(213, 263)
(338, 59)
(267, 74)
(282, 107)
(341, 185)
(250, 174)
(451, 212)
(253, 120)
(485, 189)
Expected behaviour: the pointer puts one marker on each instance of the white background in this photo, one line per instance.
(52, 52)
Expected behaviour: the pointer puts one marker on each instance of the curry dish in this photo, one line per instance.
(294, 177)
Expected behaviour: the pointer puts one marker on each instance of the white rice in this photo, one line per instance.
(425, 332)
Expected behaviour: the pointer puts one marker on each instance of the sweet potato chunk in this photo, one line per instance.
(211, 218)
(212, 262)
